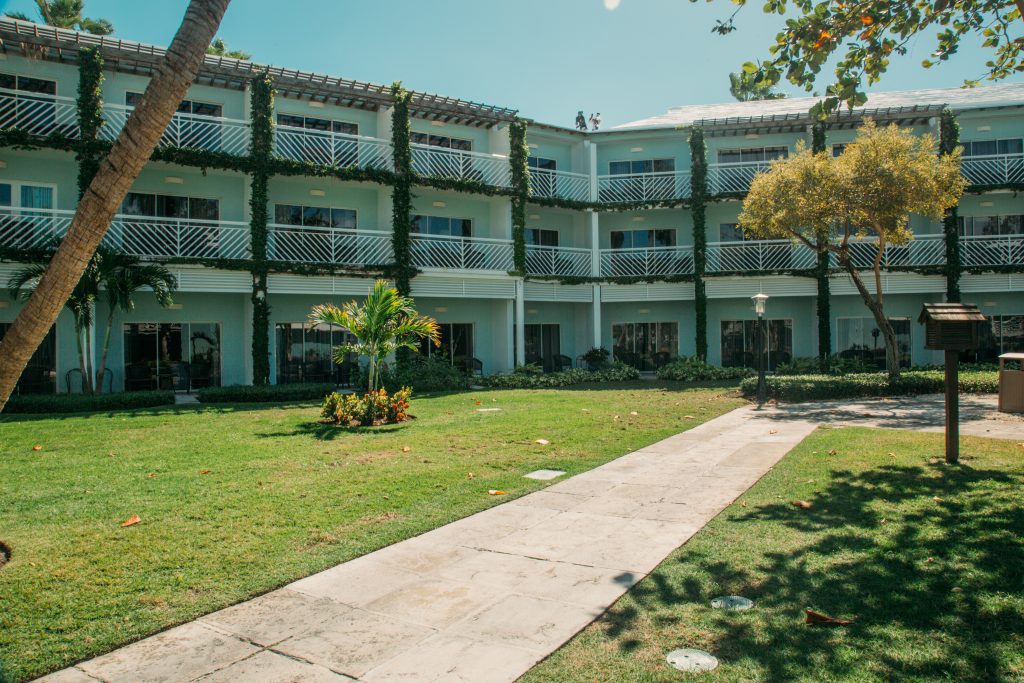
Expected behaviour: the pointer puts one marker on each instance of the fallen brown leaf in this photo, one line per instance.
(131, 521)
(542, 442)
(406, 449)
(773, 431)
(833, 452)
(819, 619)
(470, 475)
(689, 417)
(801, 504)
(496, 492)
(204, 471)
(936, 499)
(633, 412)
(151, 475)
(37, 447)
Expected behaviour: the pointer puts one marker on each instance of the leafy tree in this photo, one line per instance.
(385, 322)
(745, 87)
(110, 273)
(869, 191)
(866, 35)
(101, 200)
(219, 48)
(67, 14)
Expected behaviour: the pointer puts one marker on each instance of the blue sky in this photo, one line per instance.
(546, 58)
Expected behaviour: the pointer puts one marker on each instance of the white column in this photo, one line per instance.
(590, 150)
(596, 306)
(247, 372)
(520, 323)
(510, 344)
(595, 243)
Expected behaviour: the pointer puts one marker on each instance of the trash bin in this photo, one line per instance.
(1011, 383)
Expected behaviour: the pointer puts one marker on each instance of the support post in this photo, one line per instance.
(520, 323)
(762, 388)
(596, 310)
(952, 407)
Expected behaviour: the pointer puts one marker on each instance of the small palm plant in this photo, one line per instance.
(385, 322)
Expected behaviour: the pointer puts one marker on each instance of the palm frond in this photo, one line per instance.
(97, 27)
(23, 282)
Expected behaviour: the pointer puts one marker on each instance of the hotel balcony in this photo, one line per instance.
(545, 184)
(989, 251)
(211, 133)
(329, 148)
(563, 261)
(647, 262)
(38, 114)
(461, 253)
(759, 256)
(922, 251)
(643, 187)
(438, 162)
(734, 178)
(998, 169)
(353, 248)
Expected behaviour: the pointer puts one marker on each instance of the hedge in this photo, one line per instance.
(693, 369)
(797, 388)
(265, 393)
(86, 403)
(617, 372)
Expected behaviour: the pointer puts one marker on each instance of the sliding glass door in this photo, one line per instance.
(175, 356)
(646, 346)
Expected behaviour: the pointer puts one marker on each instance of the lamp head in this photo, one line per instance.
(760, 299)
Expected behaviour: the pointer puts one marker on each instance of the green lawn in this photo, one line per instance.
(928, 560)
(237, 500)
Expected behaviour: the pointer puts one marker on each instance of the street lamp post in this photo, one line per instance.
(760, 299)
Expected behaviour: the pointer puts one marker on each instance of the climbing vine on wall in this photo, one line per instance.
(89, 151)
(260, 148)
(949, 140)
(698, 199)
(519, 155)
(824, 298)
(401, 193)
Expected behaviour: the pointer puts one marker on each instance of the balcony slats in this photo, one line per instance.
(652, 262)
(565, 261)
(759, 256)
(327, 245)
(999, 169)
(985, 251)
(329, 148)
(147, 237)
(38, 114)
(491, 169)
(734, 178)
(545, 184)
(461, 253)
(643, 187)
(210, 133)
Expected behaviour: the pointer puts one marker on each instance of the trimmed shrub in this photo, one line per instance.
(374, 408)
(423, 375)
(813, 366)
(796, 388)
(693, 369)
(265, 393)
(615, 372)
(86, 403)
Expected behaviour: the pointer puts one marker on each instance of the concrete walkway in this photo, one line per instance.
(482, 599)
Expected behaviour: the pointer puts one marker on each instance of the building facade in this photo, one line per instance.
(530, 246)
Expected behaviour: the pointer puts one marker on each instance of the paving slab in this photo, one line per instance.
(484, 598)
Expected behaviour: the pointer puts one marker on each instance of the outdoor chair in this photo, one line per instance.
(138, 376)
(561, 362)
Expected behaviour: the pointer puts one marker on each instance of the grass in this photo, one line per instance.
(928, 559)
(238, 500)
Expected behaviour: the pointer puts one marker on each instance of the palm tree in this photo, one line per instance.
(101, 200)
(67, 14)
(219, 48)
(745, 87)
(384, 323)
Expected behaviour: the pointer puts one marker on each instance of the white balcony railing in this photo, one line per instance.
(546, 184)
(995, 250)
(759, 256)
(923, 250)
(643, 187)
(333, 149)
(142, 236)
(461, 253)
(734, 178)
(38, 114)
(650, 262)
(491, 169)
(997, 169)
(212, 133)
(567, 261)
(327, 245)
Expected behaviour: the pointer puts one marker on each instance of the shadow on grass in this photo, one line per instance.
(323, 431)
(869, 537)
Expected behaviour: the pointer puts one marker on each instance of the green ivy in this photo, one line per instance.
(260, 151)
(698, 197)
(90, 116)
(519, 155)
(823, 303)
(949, 140)
(401, 193)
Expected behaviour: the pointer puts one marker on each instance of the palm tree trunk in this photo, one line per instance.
(109, 186)
(101, 370)
(89, 375)
(81, 359)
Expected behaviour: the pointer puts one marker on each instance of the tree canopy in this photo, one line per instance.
(866, 35)
(67, 14)
(219, 48)
(745, 88)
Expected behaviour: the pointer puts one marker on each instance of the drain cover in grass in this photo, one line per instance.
(734, 602)
(544, 475)
(692, 661)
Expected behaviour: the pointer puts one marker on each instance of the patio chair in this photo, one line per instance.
(138, 377)
(561, 362)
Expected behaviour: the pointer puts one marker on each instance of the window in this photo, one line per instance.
(318, 240)
(730, 232)
(976, 148)
(132, 99)
(739, 343)
(638, 166)
(443, 141)
(40, 375)
(542, 177)
(28, 84)
(861, 339)
(171, 356)
(188, 131)
(315, 216)
(449, 159)
(318, 124)
(752, 155)
(170, 206)
(321, 141)
(838, 148)
(541, 164)
(32, 109)
(645, 346)
(306, 354)
(542, 345)
(456, 343)
(642, 239)
(978, 226)
(441, 225)
(176, 225)
(1003, 334)
(20, 227)
(540, 237)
